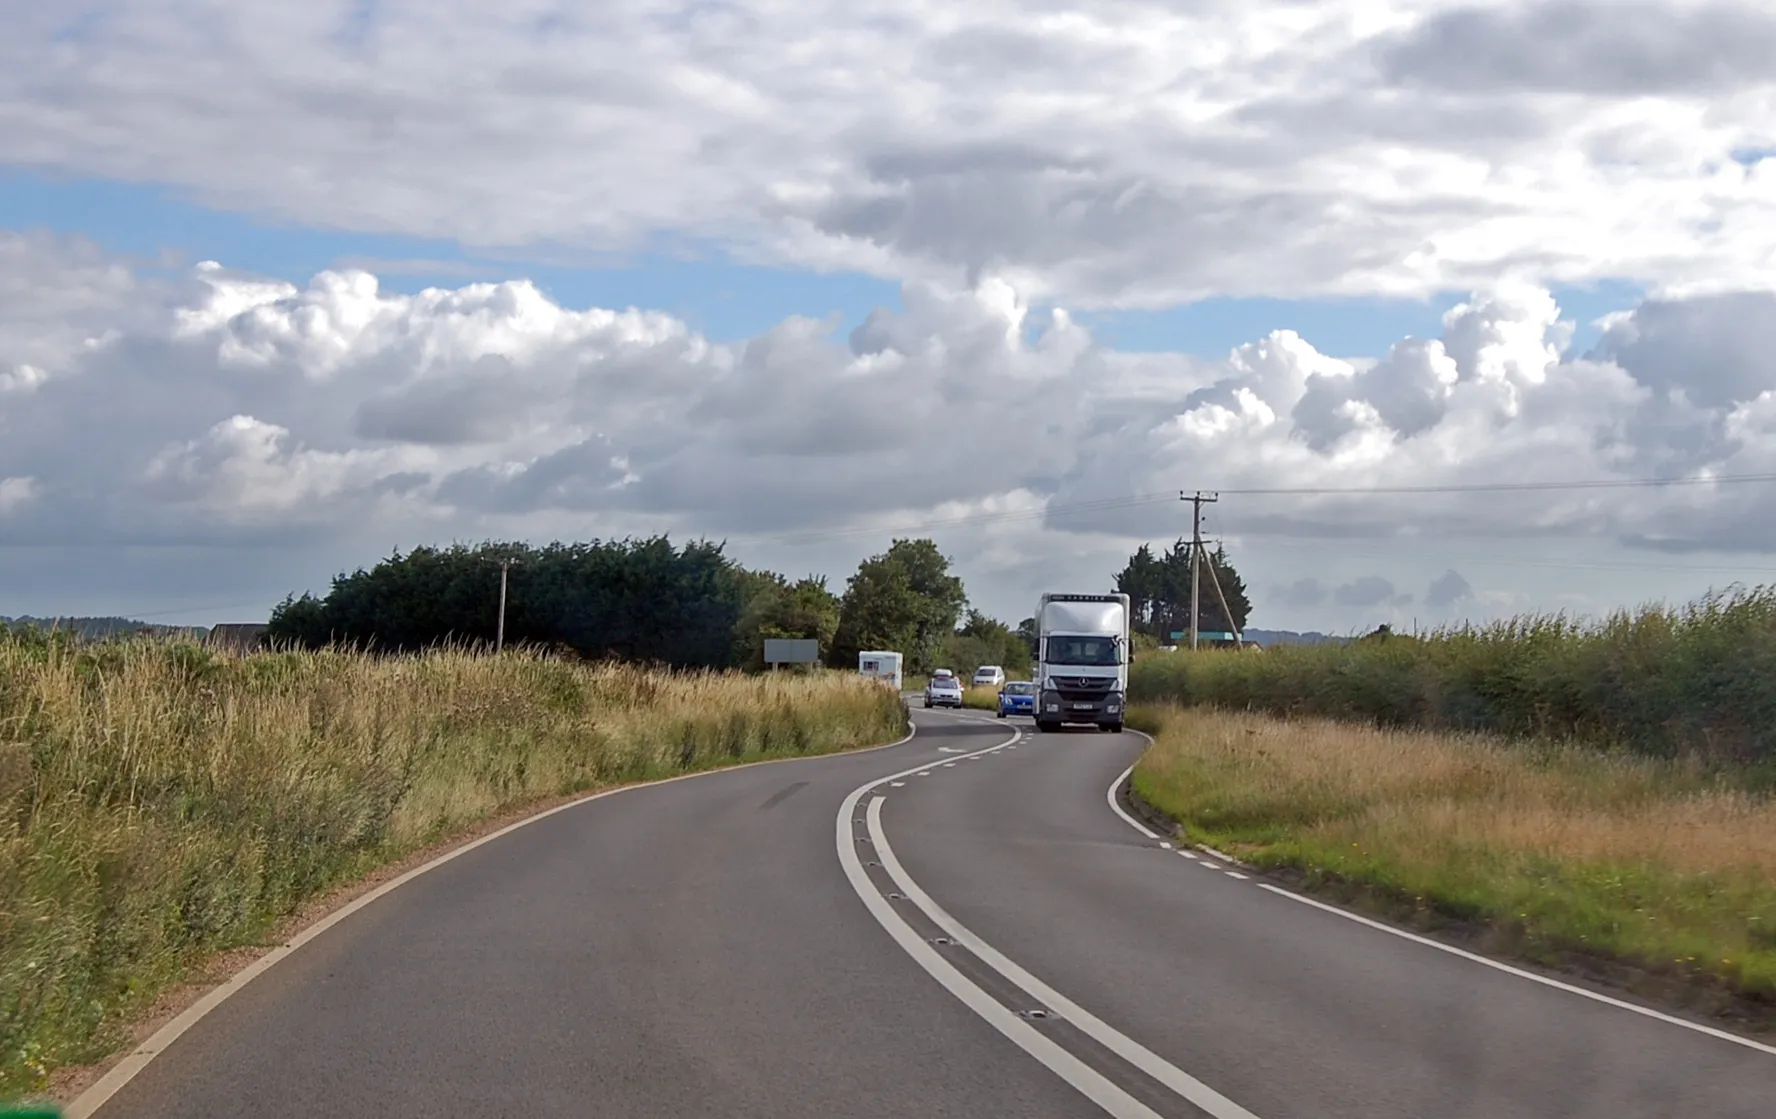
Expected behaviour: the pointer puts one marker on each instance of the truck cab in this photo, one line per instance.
(1082, 660)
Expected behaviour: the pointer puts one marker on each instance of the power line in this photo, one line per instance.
(1137, 500)
(1130, 501)
(1503, 487)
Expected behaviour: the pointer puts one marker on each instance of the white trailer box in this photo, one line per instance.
(1082, 659)
(880, 665)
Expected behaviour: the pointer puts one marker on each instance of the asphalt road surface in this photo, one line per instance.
(958, 926)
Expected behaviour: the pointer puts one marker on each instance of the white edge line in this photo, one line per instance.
(1122, 1045)
(1110, 798)
(1474, 957)
(1085, 1079)
(1544, 980)
(137, 1059)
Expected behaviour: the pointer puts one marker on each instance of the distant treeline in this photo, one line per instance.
(650, 601)
(96, 629)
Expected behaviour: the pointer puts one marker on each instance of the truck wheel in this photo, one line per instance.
(1043, 726)
(1113, 728)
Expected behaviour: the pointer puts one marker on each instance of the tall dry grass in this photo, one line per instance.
(1652, 861)
(1695, 680)
(159, 802)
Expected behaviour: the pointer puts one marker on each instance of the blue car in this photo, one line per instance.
(1017, 698)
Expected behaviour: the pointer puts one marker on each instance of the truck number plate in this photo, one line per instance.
(1082, 707)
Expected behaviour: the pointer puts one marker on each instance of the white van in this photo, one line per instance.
(989, 676)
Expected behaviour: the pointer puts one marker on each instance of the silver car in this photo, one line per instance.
(943, 691)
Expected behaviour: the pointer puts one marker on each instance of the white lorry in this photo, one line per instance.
(883, 666)
(1082, 658)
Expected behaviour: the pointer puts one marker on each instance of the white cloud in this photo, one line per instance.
(338, 419)
(15, 492)
(1136, 152)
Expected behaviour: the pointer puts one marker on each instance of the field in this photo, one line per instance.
(1697, 681)
(1561, 854)
(160, 803)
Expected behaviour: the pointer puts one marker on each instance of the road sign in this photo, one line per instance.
(783, 650)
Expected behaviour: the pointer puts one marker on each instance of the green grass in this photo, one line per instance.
(981, 699)
(160, 803)
(1694, 681)
(1557, 853)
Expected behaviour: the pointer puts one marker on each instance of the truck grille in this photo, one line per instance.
(1083, 686)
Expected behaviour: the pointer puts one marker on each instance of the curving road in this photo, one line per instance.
(961, 925)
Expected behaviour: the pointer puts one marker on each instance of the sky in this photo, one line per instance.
(1465, 310)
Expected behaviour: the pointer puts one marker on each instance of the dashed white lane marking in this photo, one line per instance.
(1136, 1054)
(1094, 1085)
(899, 784)
(1450, 949)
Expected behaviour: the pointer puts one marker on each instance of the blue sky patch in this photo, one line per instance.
(725, 300)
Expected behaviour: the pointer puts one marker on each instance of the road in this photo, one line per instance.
(767, 942)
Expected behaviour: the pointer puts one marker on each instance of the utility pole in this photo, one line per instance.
(499, 636)
(1226, 610)
(1197, 501)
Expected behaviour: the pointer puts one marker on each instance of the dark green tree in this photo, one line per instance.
(1159, 592)
(1233, 588)
(639, 600)
(985, 640)
(775, 607)
(905, 600)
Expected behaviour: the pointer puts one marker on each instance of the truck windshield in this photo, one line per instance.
(1084, 650)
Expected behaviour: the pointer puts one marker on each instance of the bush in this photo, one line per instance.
(1698, 680)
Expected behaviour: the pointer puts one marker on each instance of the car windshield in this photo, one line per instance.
(1020, 689)
(945, 684)
(1084, 650)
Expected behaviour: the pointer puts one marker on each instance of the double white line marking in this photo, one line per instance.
(1093, 1084)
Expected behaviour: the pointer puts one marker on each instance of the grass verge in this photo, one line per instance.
(981, 699)
(160, 803)
(1653, 875)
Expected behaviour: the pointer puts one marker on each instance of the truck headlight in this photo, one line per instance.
(1051, 706)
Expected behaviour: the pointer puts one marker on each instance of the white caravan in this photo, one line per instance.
(883, 666)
